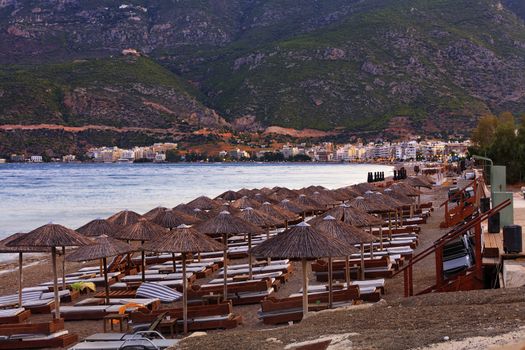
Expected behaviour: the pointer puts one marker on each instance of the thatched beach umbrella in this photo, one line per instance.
(223, 225)
(245, 192)
(292, 206)
(204, 203)
(184, 240)
(196, 212)
(309, 203)
(406, 189)
(103, 247)
(51, 236)
(402, 198)
(344, 193)
(98, 227)
(141, 231)
(20, 250)
(325, 198)
(391, 203)
(229, 196)
(418, 181)
(349, 234)
(151, 214)
(369, 205)
(124, 217)
(224, 207)
(278, 212)
(261, 197)
(245, 202)
(302, 242)
(363, 187)
(258, 218)
(281, 193)
(169, 219)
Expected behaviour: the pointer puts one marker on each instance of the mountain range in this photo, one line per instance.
(148, 70)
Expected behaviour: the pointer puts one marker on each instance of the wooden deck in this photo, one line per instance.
(492, 248)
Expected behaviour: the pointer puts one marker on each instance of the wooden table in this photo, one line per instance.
(171, 324)
(118, 317)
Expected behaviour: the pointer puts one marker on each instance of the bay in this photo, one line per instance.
(32, 195)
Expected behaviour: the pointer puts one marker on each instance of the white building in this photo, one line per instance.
(36, 159)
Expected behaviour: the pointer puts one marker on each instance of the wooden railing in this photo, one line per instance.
(465, 206)
(438, 246)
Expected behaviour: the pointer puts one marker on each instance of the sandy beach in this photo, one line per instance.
(394, 323)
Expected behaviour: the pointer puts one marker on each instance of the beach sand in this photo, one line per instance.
(395, 323)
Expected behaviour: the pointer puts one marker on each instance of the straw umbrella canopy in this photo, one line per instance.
(360, 218)
(124, 217)
(324, 197)
(169, 218)
(258, 218)
(225, 207)
(197, 212)
(406, 200)
(261, 197)
(151, 214)
(363, 187)
(51, 236)
(370, 205)
(98, 227)
(223, 225)
(351, 235)
(245, 192)
(184, 240)
(229, 196)
(204, 203)
(302, 242)
(309, 203)
(20, 250)
(291, 206)
(103, 247)
(281, 193)
(344, 193)
(245, 202)
(406, 189)
(278, 212)
(142, 231)
(418, 181)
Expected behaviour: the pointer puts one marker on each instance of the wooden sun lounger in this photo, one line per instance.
(276, 311)
(32, 328)
(117, 294)
(201, 317)
(15, 316)
(118, 344)
(40, 306)
(60, 339)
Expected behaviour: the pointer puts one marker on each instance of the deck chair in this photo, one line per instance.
(152, 326)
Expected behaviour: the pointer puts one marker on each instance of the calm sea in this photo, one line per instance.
(73, 194)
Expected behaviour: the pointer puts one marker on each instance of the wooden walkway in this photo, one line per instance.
(492, 248)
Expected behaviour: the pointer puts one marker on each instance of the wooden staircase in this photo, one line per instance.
(466, 205)
(469, 279)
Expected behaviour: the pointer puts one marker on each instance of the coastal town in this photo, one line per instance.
(384, 152)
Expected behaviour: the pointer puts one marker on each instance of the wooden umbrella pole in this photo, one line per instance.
(250, 264)
(20, 267)
(100, 266)
(268, 260)
(286, 224)
(347, 270)
(362, 261)
(55, 281)
(330, 286)
(381, 237)
(184, 294)
(143, 261)
(106, 283)
(411, 211)
(389, 227)
(225, 268)
(63, 268)
(174, 263)
(371, 250)
(305, 287)
(401, 212)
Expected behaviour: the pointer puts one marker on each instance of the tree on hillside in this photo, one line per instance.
(483, 134)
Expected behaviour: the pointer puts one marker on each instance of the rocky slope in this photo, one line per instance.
(314, 64)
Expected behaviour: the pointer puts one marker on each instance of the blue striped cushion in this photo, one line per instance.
(155, 290)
